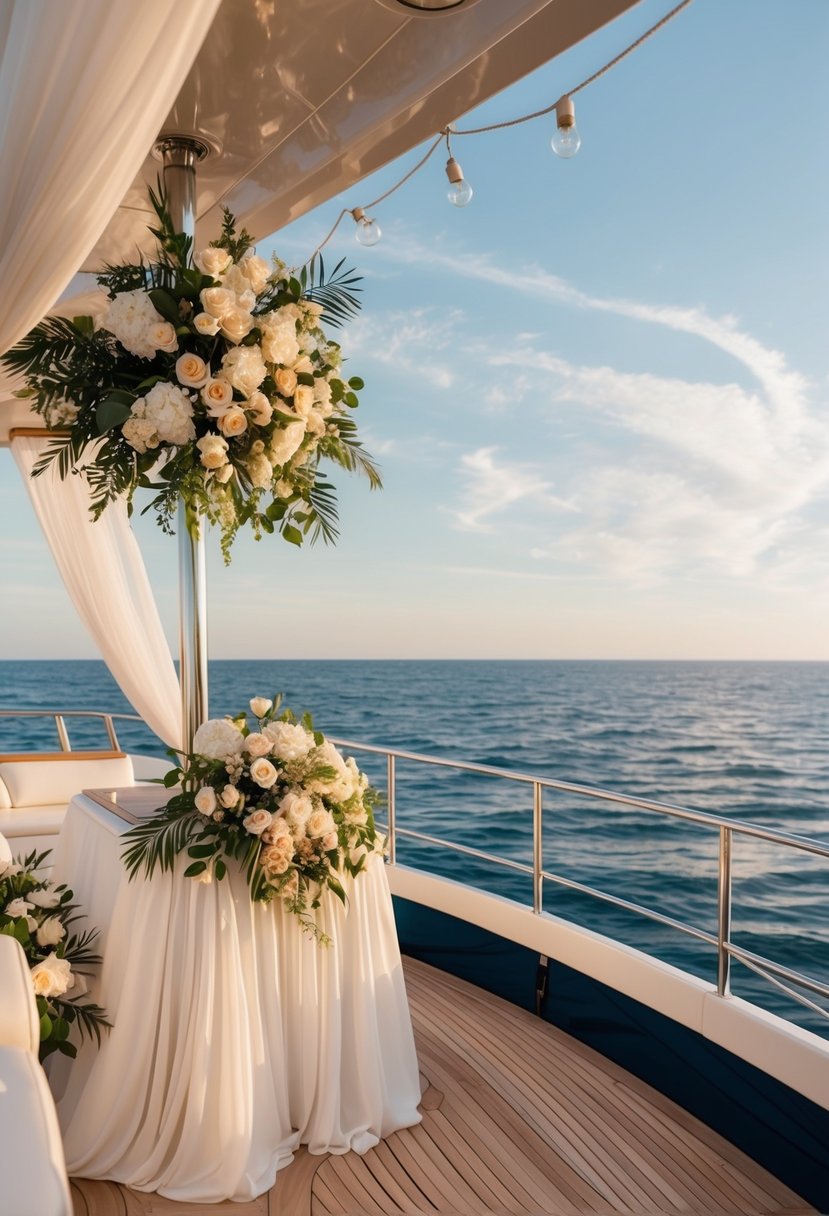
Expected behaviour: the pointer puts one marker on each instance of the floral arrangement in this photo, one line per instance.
(279, 800)
(39, 915)
(212, 383)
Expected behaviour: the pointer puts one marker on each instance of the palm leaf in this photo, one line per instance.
(336, 293)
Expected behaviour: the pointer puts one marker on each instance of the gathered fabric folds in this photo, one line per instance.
(101, 564)
(236, 1036)
(85, 86)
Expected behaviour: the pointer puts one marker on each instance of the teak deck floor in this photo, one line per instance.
(517, 1118)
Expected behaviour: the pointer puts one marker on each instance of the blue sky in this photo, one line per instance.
(598, 393)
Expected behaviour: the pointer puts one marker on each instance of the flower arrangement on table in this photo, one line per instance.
(279, 800)
(39, 914)
(212, 383)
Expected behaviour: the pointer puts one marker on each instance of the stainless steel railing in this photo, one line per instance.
(775, 973)
(726, 828)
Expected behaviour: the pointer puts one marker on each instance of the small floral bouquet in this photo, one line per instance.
(39, 915)
(212, 383)
(278, 800)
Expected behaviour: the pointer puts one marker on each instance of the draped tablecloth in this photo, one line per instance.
(236, 1037)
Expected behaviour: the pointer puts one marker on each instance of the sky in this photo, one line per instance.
(598, 393)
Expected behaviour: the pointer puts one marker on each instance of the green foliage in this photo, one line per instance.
(337, 293)
(236, 243)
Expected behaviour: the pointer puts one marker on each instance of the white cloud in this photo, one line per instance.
(411, 342)
(490, 486)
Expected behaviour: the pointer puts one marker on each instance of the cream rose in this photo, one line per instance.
(233, 422)
(304, 366)
(217, 395)
(206, 800)
(257, 821)
(263, 773)
(256, 270)
(304, 400)
(192, 371)
(163, 336)
(217, 301)
(229, 797)
(50, 931)
(286, 381)
(224, 473)
(52, 977)
(259, 706)
(236, 324)
(286, 441)
(330, 842)
(260, 471)
(203, 323)
(257, 744)
(17, 907)
(273, 861)
(320, 823)
(213, 449)
(213, 261)
(259, 408)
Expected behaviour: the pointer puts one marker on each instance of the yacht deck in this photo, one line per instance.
(517, 1118)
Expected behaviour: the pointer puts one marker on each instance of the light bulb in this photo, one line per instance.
(368, 230)
(460, 193)
(566, 140)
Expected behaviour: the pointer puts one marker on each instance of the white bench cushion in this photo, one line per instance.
(31, 821)
(19, 1026)
(5, 800)
(32, 1165)
(41, 782)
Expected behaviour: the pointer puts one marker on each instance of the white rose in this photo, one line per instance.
(256, 270)
(8, 869)
(260, 471)
(263, 773)
(52, 977)
(217, 301)
(286, 442)
(286, 381)
(297, 809)
(304, 366)
(274, 861)
(236, 324)
(206, 800)
(278, 833)
(259, 408)
(290, 741)
(244, 368)
(50, 931)
(229, 797)
(17, 907)
(304, 400)
(257, 821)
(44, 899)
(320, 823)
(259, 706)
(218, 739)
(257, 745)
(330, 842)
(213, 451)
(163, 336)
(203, 323)
(224, 473)
(213, 261)
(315, 423)
(192, 371)
(233, 422)
(322, 391)
(217, 395)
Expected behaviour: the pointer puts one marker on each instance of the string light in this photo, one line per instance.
(565, 142)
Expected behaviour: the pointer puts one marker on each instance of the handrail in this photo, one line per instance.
(726, 827)
(60, 715)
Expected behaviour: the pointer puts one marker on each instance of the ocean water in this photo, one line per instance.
(747, 740)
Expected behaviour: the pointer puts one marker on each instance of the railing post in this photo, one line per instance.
(390, 796)
(538, 848)
(63, 736)
(113, 738)
(724, 913)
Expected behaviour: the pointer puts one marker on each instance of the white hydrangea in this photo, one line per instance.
(289, 741)
(61, 413)
(286, 441)
(140, 432)
(279, 340)
(244, 368)
(171, 410)
(260, 470)
(131, 317)
(218, 739)
(340, 787)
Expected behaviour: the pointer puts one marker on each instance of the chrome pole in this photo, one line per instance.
(724, 913)
(538, 849)
(179, 157)
(390, 796)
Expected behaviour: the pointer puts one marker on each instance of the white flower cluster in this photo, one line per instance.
(165, 415)
(51, 974)
(132, 318)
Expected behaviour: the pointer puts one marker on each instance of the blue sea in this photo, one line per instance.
(748, 740)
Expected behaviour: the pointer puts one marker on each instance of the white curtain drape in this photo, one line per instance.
(104, 573)
(85, 86)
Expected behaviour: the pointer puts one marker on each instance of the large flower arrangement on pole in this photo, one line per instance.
(214, 384)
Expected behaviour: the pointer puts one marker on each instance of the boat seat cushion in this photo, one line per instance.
(32, 1165)
(38, 783)
(31, 821)
(5, 799)
(19, 1026)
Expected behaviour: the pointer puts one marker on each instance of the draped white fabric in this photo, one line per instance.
(235, 1036)
(104, 573)
(85, 86)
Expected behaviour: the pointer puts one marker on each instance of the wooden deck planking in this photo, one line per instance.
(518, 1118)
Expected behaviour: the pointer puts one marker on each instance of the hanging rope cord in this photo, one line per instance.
(449, 132)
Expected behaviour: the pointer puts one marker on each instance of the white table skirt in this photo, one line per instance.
(236, 1037)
